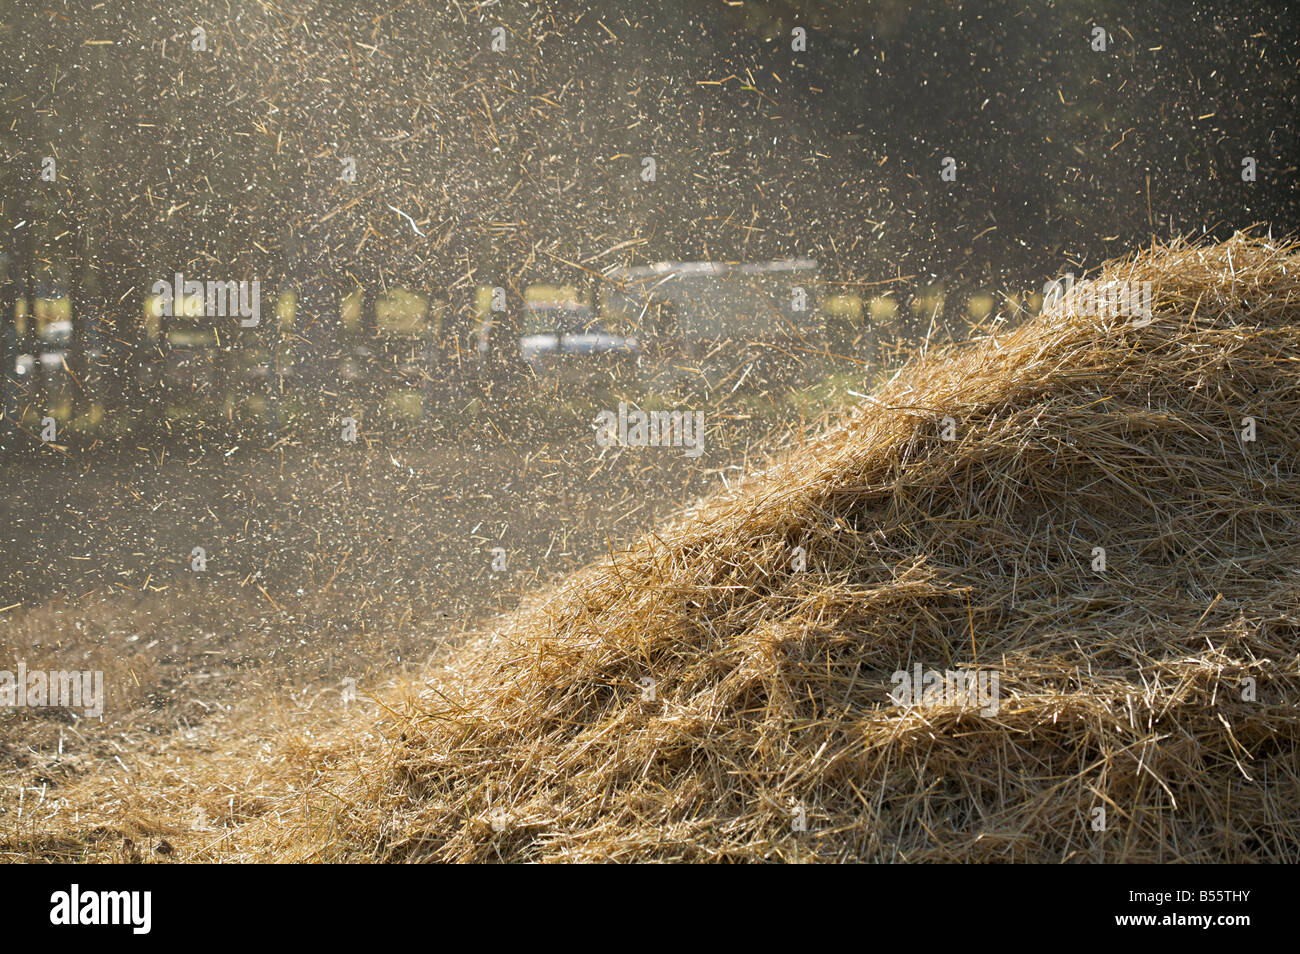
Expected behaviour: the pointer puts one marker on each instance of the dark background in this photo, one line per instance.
(225, 163)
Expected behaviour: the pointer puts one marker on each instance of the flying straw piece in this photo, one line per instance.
(415, 228)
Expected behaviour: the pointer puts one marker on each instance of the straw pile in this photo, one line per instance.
(1126, 690)
(699, 697)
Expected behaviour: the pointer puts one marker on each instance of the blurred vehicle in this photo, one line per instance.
(186, 358)
(54, 339)
(566, 339)
(190, 355)
(561, 342)
(390, 352)
(727, 322)
(50, 366)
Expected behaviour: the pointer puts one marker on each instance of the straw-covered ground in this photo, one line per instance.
(700, 697)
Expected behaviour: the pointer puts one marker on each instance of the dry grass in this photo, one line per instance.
(1120, 689)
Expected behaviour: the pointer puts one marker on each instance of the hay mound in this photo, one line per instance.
(701, 697)
(1126, 689)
